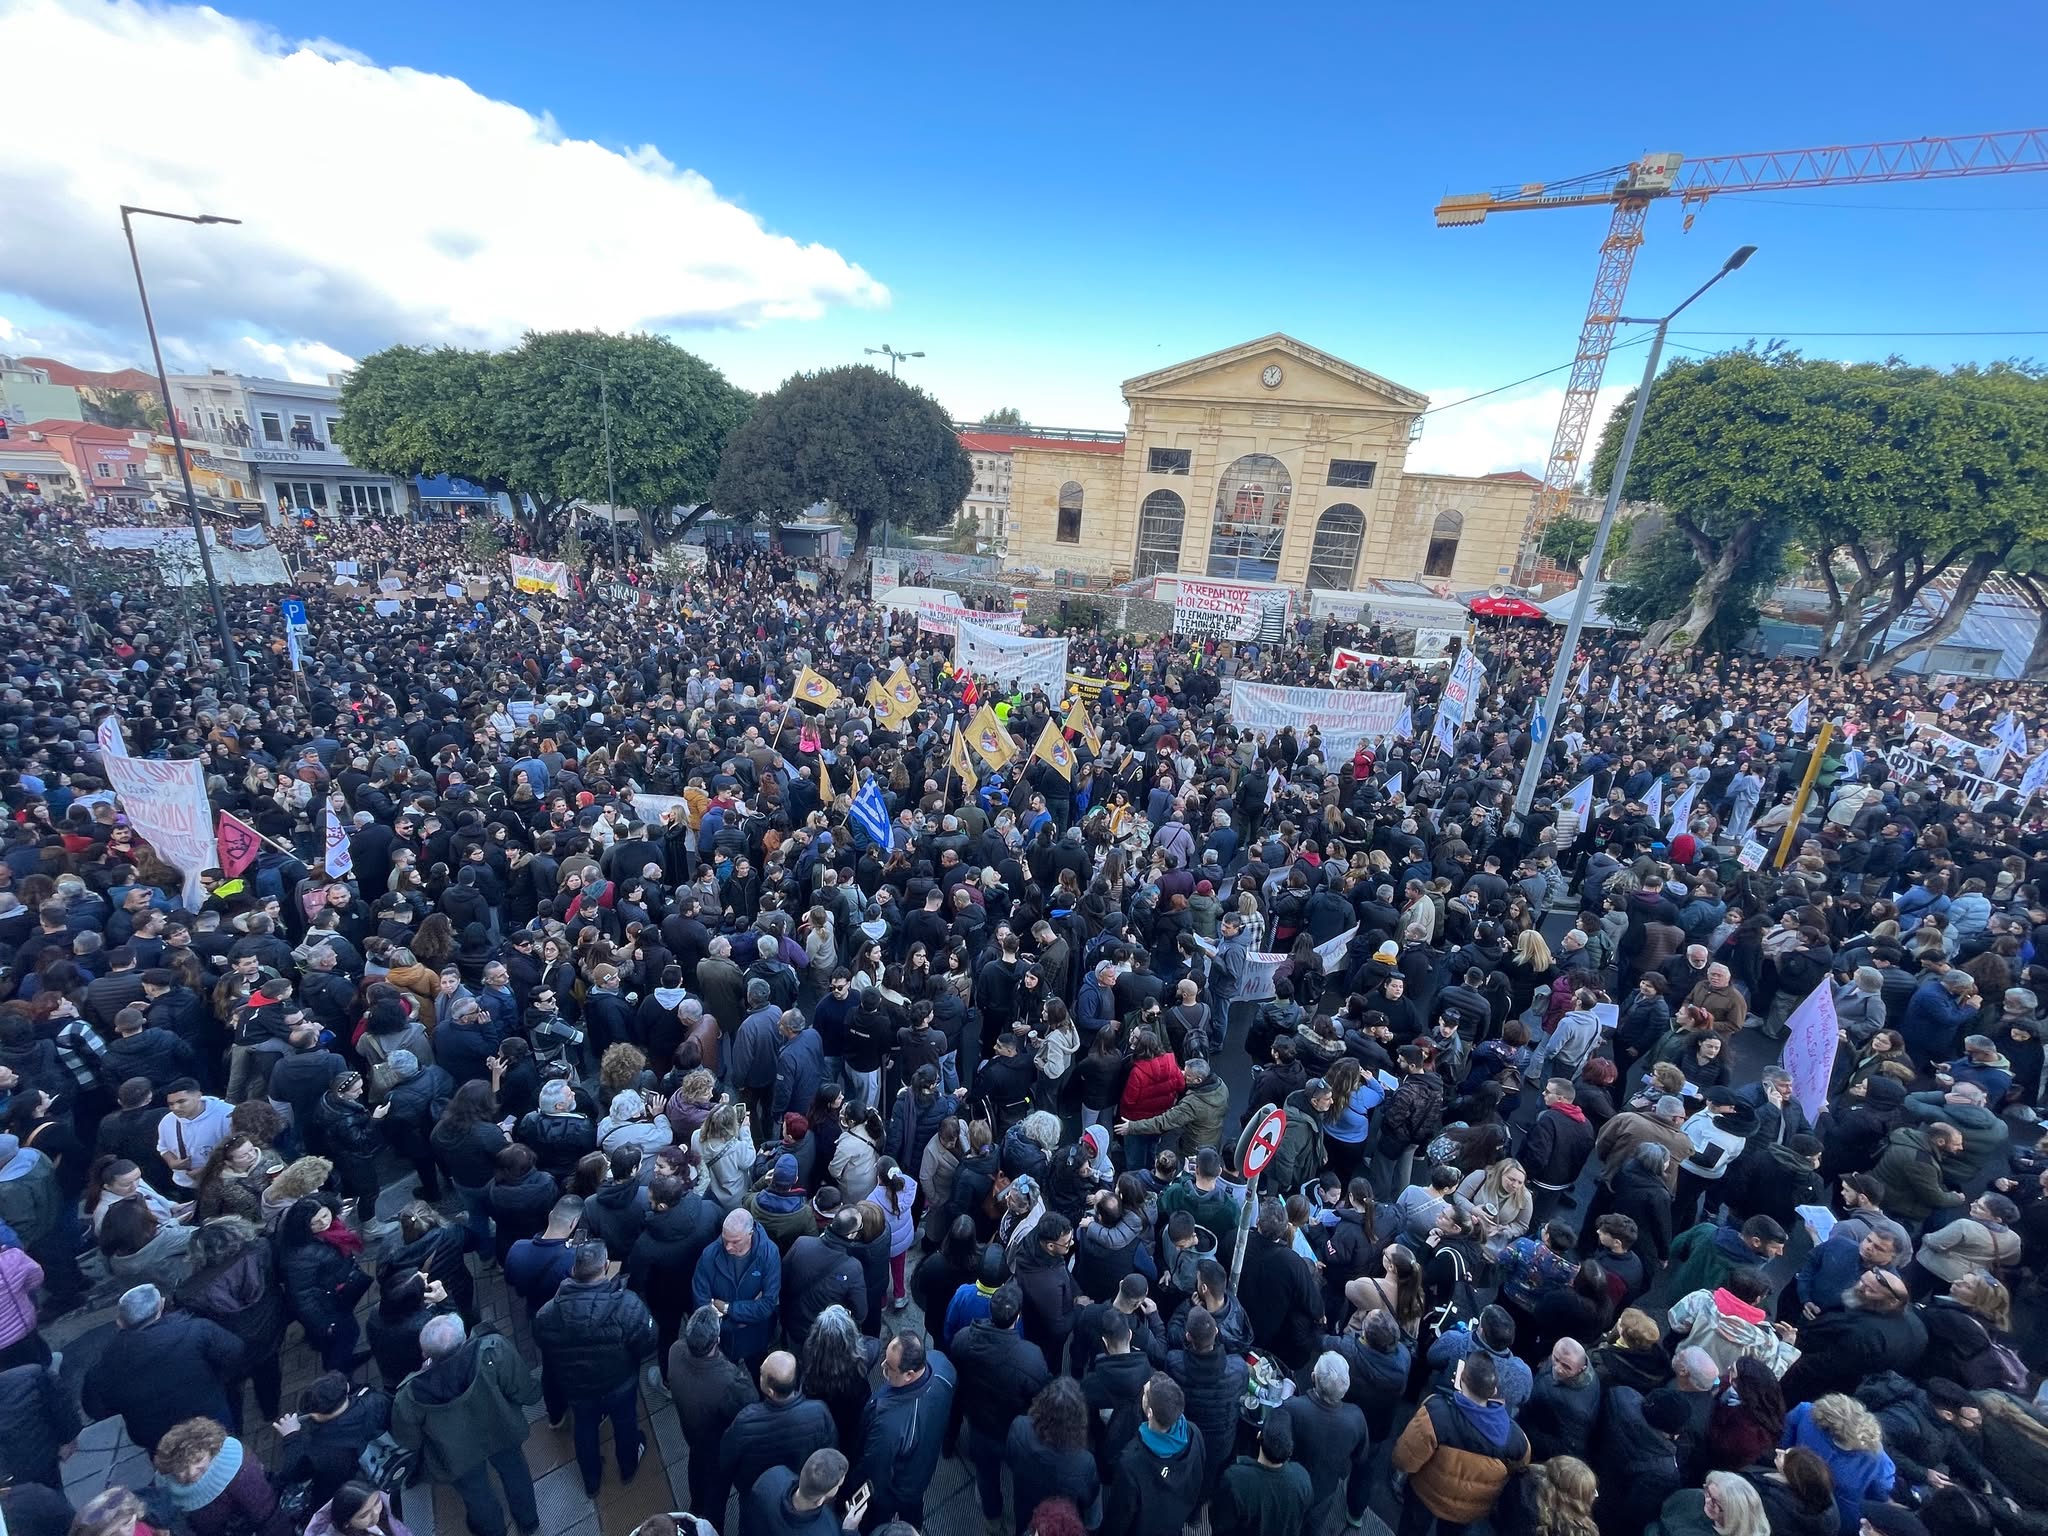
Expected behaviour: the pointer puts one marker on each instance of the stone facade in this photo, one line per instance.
(1275, 462)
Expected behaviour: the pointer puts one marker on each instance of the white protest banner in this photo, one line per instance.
(1257, 982)
(112, 743)
(1810, 1048)
(1332, 951)
(1461, 695)
(945, 619)
(884, 576)
(1345, 716)
(1224, 610)
(339, 860)
(1011, 660)
(1343, 657)
(531, 575)
(1752, 855)
(166, 802)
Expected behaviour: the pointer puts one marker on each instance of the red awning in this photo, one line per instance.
(1507, 608)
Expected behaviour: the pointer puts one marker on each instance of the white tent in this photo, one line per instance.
(1559, 608)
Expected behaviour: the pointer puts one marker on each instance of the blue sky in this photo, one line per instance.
(1059, 197)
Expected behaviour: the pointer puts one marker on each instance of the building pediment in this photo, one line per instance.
(1306, 377)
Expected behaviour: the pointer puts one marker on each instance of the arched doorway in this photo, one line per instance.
(1161, 517)
(1251, 519)
(1070, 513)
(1443, 544)
(1333, 559)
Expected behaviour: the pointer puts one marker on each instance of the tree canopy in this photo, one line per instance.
(1006, 416)
(530, 421)
(1569, 540)
(1886, 476)
(871, 445)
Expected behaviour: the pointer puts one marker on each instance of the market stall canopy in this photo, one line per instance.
(1559, 608)
(1507, 607)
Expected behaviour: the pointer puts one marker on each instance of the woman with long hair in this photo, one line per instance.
(1798, 1494)
(1499, 1202)
(726, 1154)
(1845, 1435)
(358, 1508)
(434, 944)
(836, 1361)
(1397, 1290)
(1725, 1505)
(1047, 1452)
(1964, 1326)
(234, 1284)
(1554, 1498)
(954, 1263)
(466, 1141)
(1747, 1418)
(1354, 1096)
(895, 1195)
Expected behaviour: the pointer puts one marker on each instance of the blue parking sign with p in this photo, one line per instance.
(294, 611)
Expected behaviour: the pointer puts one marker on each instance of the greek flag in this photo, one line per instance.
(870, 813)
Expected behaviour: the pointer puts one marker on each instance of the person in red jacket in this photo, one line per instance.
(1155, 1082)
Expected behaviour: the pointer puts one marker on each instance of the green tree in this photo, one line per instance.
(1567, 541)
(122, 408)
(1887, 476)
(409, 411)
(871, 445)
(483, 544)
(671, 413)
(1007, 416)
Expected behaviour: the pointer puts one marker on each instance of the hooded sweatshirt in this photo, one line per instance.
(1728, 1328)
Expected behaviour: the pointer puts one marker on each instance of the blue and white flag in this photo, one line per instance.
(1614, 691)
(1585, 677)
(1404, 728)
(1796, 721)
(339, 861)
(870, 812)
(2035, 779)
(1681, 812)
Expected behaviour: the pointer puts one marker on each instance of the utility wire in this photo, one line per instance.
(1546, 373)
(1769, 330)
(1803, 202)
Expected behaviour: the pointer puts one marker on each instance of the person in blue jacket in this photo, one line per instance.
(741, 1279)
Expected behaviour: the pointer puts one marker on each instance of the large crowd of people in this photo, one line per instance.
(874, 1142)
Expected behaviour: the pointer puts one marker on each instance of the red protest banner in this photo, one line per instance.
(239, 843)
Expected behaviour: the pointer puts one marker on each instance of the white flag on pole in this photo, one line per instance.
(1653, 803)
(1585, 677)
(1614, 691)
(1395, 785)
(1580, 799)
(339, 863)
(1810, 1045)
(1404, 728)
(2035, 779)
(1796, 721)
(112, 742)
(1681, 812)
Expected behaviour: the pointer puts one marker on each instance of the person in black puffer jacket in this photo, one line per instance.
(418, 1096)
(519, 1198)
(324, 1440)
(824, 1270)
(234, 1283)
(919, 1111)
(354, 1137)
(615, 1213)
(662, 1266)
(559, 1134)
(593, 1336)
(973, 1183)
(1412, 1114)
(466, 1143)
(1213, 1381)
(322, 1282)
(428, 1243)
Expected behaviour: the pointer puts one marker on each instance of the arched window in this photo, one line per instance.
(1443, 544)
(1160, 520)
(1070, 513)
(1333, 559)
(1251, 519)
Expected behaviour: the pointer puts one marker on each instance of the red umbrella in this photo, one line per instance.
(1507, 608)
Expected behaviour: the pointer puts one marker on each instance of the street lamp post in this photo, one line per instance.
(1560, 672)
(611, 495)
(895, 357)
(231, 661)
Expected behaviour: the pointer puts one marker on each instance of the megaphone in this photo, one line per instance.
(1496, 590)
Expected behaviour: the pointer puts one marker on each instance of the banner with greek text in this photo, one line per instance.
(1345, 716)
(1011, 660)
(1222, 611)
(166, 802)
(944, 619)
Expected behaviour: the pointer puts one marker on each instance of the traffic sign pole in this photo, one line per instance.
(1255, 1149)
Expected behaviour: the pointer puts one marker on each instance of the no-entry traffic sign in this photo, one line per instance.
(1260, 1141)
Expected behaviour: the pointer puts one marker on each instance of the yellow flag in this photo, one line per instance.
(961, 764)
(813, 689)
(825, 790)
(1077, 720)
(878, 696)
(986, 735)
(903, 695)
(1055, 749)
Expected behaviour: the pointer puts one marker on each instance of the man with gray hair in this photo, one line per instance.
(1966, 1107)
(1330, 1440)
(1563, 1405)
(466, 1409)
(160, 1370)
(1194, 1120)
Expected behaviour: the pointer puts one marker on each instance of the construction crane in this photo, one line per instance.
(1630, 190)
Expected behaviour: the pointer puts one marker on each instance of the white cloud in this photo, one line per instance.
(1503, 432)
(378, 204)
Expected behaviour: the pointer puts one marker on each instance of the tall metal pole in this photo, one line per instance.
(229, 660)
(1560, 671)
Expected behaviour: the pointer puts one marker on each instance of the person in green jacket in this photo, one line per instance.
(1703, 1256)
(1204, 1196)
(466, 1409)
(1264, 1494)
